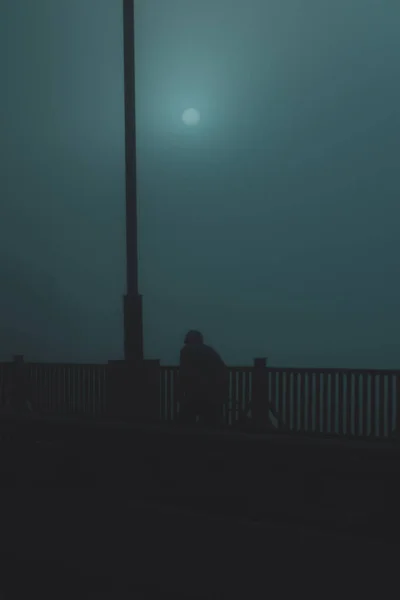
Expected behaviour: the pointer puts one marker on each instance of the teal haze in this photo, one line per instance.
(271, 224)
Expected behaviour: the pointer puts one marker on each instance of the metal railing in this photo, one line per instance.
(57, 389)
(345, 402)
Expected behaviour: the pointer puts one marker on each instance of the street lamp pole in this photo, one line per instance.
(133, 313)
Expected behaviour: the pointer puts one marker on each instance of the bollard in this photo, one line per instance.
(260, 395)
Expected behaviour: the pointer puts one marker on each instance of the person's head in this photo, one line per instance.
(193, 337)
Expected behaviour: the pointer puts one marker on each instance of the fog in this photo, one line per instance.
(271, 225)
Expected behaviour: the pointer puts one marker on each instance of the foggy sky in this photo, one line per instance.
(272, 225)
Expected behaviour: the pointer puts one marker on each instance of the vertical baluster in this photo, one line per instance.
(172, 380)
(334, 403)
(54, 383)
(282, 402)
(381, 405)
(239, 393)
(92, 373)
(227, 405)
(295, 401)
(235, 413)
(167, 401)
(85, 387)
(364, 403)
(56, 399)
(44, 391)
(290, 398)
(87, 390)
(318, 402)
(276, 401)
(69, 390)
(165, 393)
(242, 392)
(310, 402)
(39, 390)
(104, 390)
(78, 397)
(175, 394)
(33, 376)
(278, 406)
(50, 399)
(53, 387)
(169, 396)
(162, 392)
(302, 401)
(51, 396)
(349, 404)
(94, 386)
(273, 389)
(357, 409)
(373, 405)
(325, 402)
(247, 399)
(75, 395)
(340, 402)
(391, 401)
(96, 390)
(57, 402)
(397, 404)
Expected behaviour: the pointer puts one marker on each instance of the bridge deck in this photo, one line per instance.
(223, 435)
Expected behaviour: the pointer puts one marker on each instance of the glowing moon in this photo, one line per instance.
(190, 116)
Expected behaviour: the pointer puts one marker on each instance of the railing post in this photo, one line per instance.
(259, 395)
(133, 390)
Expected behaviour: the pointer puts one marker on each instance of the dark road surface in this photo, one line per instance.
(108, 547)
(107, 541)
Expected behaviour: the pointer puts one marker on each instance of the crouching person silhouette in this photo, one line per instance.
(203, 381)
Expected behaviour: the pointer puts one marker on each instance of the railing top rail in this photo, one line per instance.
(232, 367)
(43, 365)
(309, 370)
(247, 368)
(320, 370)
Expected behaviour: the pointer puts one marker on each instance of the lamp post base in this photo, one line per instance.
(133, 391)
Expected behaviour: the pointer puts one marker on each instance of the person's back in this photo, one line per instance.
(203, 380)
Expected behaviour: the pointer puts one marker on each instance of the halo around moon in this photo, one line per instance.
(190, 117)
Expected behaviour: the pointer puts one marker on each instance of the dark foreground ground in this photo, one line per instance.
(145, 512)
(76, 544)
